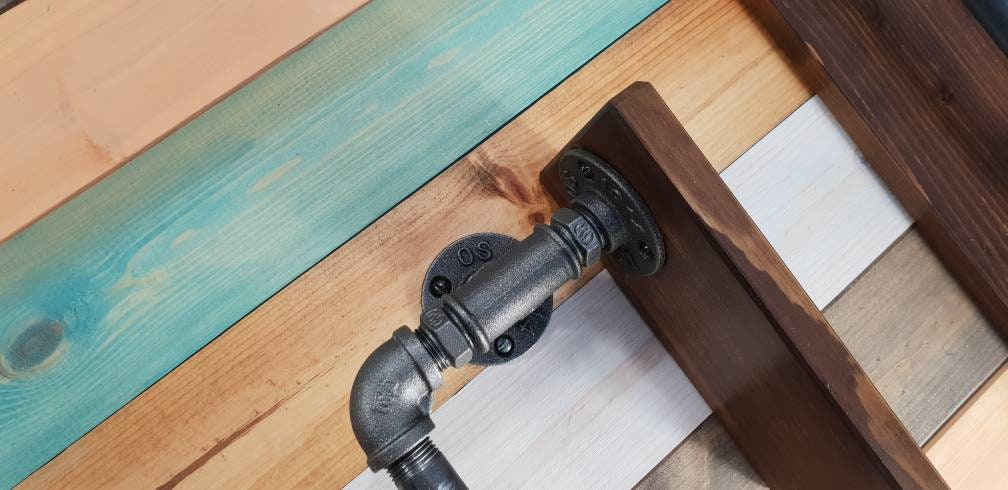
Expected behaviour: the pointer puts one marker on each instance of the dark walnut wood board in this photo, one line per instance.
(916, 334)
(923, 91)
(752, 342)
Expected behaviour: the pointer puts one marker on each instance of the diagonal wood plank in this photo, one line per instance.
(924, 91)
(88, 84)
(918, 337)
(971, 450)
(266, 402)
(115, 288)
(604, 420)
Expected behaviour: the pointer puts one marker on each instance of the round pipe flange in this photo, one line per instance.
(455, 265)
(638, 247)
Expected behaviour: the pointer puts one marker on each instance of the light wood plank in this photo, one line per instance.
(917, 336)
(604, 420)
(157, 259)
(266, 402)
(971, 451)
(85, 85)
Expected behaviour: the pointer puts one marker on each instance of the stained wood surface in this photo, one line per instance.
(564, 422)
(924, 92)
(919, 339)
(85, 85)
(265, 404)
(118, 286)
(972, 450)
(745, 332)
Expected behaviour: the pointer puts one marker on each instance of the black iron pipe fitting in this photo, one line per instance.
(391, 399)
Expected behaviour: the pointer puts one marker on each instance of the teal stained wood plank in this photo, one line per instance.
(109, 292)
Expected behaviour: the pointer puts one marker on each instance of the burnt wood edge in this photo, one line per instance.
(977, 256)
(761, 354)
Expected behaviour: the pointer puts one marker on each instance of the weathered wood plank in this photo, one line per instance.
(266, 402)
(971, 451)
(562, 420)
(115, 288)
(85, 85)
(917, 335)
(923, 90)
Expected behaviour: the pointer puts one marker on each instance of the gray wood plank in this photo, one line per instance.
(915, 333)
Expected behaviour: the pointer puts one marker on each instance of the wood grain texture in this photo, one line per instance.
(972, 449)
(564, 422)
(86, 85)
(728, 309)
(143, 269)
(265, 404)
(923, 91)
(919, 339)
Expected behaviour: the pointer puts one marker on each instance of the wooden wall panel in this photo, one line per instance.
(118, 286)
(266, 402)
(919, 339)
(85, 85)
(599, 404)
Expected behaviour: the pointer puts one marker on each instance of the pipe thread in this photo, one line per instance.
(413, 462)
(432, 348)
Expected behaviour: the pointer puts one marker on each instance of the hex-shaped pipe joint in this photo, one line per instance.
(390, 402)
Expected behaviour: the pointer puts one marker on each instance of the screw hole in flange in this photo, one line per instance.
(504, 346)
(645, 251)
(440, 286)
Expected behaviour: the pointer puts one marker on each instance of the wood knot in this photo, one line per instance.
(504, 182)
(875, 17)
(32, 349)
(945, 95)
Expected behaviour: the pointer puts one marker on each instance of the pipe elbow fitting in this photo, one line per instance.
(391, 399)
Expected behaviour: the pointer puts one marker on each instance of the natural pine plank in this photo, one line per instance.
(971, 451)
(265, 403)
(604, 420)
(157, 259)
(916, 334)
(85, 85)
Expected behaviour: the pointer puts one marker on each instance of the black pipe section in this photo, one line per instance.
(391, 399)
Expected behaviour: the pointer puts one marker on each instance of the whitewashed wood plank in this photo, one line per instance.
(589, 407)
(818, 203)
